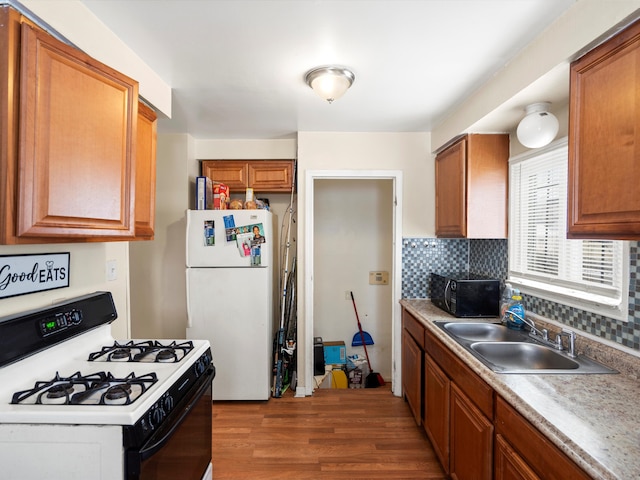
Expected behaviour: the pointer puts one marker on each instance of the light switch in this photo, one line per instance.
(112, 270)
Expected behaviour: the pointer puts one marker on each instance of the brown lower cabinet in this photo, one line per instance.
(475, 433)
(471, 439)
(437, 388)
(412, 353)
(508, 465)
(530, 448)
(458, 414)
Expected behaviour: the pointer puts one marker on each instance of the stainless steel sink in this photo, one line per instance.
(512, 351)
(478, 332)
(521, 355)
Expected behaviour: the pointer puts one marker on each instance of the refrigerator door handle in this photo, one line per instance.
(189, 317)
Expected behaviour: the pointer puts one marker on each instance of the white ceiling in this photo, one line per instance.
(236, 67)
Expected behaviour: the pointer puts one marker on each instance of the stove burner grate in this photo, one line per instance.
(145, 351)
(98, 388)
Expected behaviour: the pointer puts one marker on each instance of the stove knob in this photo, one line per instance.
(156, 416)
(145, 425)
(75, 317)
(168, 403)
(198, 367)
(201, 365)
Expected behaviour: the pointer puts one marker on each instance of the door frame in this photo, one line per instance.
(395, 277)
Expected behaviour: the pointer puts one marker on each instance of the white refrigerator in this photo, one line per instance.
(230, 297)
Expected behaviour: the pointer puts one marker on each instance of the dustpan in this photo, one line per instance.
(361, 337)
(357, 339)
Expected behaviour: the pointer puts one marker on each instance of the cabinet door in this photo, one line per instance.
(508, 465)
(471, 455)
(412, 375)
(146, 172)
(604, 140)
(233, 173)
(271, 175)
(451, 197)
(487, 179)
(77, 144)
(436, 409)
(541, 456)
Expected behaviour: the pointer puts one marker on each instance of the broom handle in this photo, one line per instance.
(364, 343)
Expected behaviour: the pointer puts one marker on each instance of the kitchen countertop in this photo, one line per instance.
(593, 419)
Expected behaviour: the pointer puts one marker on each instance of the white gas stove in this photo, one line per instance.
(76, 403)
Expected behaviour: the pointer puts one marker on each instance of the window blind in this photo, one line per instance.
(540, 255)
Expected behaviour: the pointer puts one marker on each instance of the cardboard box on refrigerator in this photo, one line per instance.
(204, 193)
(220, 196)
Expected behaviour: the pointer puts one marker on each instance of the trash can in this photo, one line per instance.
(318, 356)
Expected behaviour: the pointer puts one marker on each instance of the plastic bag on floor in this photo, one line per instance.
(357, 370)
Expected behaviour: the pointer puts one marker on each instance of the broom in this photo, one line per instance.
(374, 379)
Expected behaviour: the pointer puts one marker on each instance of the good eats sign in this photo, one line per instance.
(29, 273)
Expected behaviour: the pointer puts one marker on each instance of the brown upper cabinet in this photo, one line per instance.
(264, 176)
(146, 172)
(471, 187)
(68, 141)
(604, 140)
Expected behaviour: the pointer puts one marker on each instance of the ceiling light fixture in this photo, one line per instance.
(330, 82)
(539, 126)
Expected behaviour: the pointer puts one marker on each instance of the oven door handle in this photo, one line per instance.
(150, 449)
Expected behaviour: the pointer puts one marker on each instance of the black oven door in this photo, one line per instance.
(182, 448)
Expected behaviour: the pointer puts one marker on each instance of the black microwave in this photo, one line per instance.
(465, 294)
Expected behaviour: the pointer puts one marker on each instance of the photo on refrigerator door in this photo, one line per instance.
(244, 243)
(209, 233)
(229, 227)
(258, 235)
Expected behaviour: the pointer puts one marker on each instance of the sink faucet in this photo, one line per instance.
(571, 344)
(543, 335)
(532, 326)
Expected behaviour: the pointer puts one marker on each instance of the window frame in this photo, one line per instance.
(558, 290)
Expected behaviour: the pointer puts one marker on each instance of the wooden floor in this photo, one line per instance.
(334, 434)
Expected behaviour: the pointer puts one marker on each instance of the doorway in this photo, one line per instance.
(344, 211)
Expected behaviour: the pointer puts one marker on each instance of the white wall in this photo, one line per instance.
(353, 235)
(407, 152)
(158, 298)
(87, 266)
(581, 25)
(75, 22)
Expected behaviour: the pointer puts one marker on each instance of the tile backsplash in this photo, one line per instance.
(421, 256)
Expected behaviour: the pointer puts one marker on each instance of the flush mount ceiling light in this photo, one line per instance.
(539, 126)
(330, 82)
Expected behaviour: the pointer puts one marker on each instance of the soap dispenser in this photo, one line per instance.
(515, 312)
(505, 301)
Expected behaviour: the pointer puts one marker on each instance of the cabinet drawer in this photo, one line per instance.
(540, 454)
(470, 383)
(414, 327)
